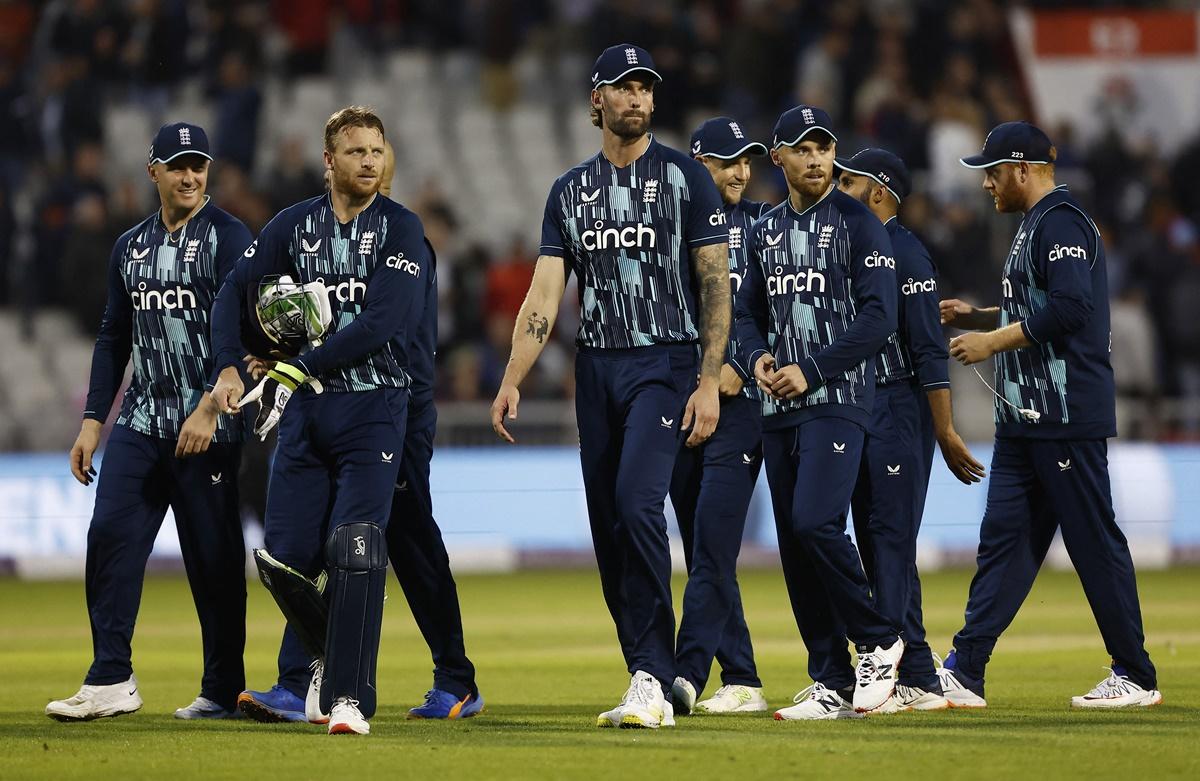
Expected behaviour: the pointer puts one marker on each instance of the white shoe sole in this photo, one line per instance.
(346, 728)
(1151, 698)
(105, 713)
(640, 721)
(749, 707)
(779, 716)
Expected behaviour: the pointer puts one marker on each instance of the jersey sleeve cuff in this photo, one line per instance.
(550, 251)
(812, 372)
(708, 241)
(933, 385)
(1025, 329)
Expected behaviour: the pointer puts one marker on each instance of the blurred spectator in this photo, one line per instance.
(238, 100)
(293, 176)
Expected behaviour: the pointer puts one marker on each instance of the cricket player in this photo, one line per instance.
(169, 447)
(415, 547)
(818, 304)
(338, 456)
(643, 228)
(1055, 410)
(912, 409)
(712, 484)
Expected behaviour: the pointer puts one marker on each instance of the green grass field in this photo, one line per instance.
(548, 663)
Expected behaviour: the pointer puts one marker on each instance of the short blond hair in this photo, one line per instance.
(350, 116)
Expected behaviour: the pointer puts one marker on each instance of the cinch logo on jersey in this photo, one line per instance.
(402, 263)
(348, 292)
(1059, 252)
(804, 281)
(628, 237)
(736, 279)
(178, 297)
(1007, 287)
(717, 218)
(875, 260)
(913, 286)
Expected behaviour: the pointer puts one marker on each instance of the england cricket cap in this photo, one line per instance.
(177, 139)
(723, 138)
(617, 62)
(796, 123)
(1012, 142)
(883, 167)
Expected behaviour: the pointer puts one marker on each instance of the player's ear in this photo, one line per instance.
(597, 99)
(775, 158)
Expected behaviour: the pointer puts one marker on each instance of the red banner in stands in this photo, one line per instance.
(1115, 34)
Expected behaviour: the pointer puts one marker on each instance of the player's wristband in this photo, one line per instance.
(287, 375)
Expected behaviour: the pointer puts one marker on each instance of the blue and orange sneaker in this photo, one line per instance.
(272, 707)
(441, 704)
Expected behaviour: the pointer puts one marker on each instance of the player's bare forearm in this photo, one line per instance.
(955, 452)
(711, 265)
(975, 347)
(941, 410)
(536, 319)
(1010, 337)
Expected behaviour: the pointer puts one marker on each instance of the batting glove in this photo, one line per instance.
(273, 394)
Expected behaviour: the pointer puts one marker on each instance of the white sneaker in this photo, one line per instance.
(204, 708)
(1117, 691)
(346, 719)
(312, 700)
(734, 699)
(97, 702)
(875, 676)
(916, 698)
(668, 719)
(817, 703)
(683, 696)
(642, 707)
(956, 694)
(893, 705)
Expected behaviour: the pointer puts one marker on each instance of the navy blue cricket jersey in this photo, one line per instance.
(627, 232)
(1056, 285)
(375, 266)
(917, 348)
(741, 218)
(161, 288)
(821, 293)
(422, 350)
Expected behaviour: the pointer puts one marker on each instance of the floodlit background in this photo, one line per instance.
(485, 102)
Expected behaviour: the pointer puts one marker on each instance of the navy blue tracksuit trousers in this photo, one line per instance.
(418, 556)
(889, 500)
(336, 462)
(710, 491)
(1036, 487)
(629, 405)
(811, 469)
(139, 478)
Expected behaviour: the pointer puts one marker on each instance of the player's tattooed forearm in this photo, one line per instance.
(537, 327)
(712, 269)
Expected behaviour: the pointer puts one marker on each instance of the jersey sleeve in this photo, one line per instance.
(395, 290)
(751, 314)
(922, 319)
(1064, 249)
(268, 254)
(873, 288)
(705, 222)
(114, 344)
(553, 245)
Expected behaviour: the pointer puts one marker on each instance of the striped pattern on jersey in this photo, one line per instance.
(172, 282)
(742, 217)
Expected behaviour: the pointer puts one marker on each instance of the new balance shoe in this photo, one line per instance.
(916, 698)
(816, 703)
(892, 706)
(346, 719)
(441, 704)
(204, 708)
(97, 702)
(875, 676)
(273, 706)
(312, 700)
(1117, 691)
(683, 696)
(734, 699)
(959, 690)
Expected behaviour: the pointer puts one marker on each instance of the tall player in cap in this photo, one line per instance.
(1055, 410)
(912, 408)
(643, 228)
(712, 484)
(339, 449)
(169, 447)
(818, 304)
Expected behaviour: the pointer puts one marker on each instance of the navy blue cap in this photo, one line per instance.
(180, 138)
(795, 123)
(723, 138)
(617, 62)
(882, 166)
(1012, 142)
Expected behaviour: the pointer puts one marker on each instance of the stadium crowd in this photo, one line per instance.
(919, 77)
